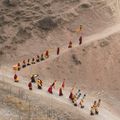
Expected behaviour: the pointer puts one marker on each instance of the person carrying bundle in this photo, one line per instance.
(24, 64)
(33, 78)
(39, 83)
(38, 58)
(70, 44)
(33, 61)
(51, 87)
(16, 78)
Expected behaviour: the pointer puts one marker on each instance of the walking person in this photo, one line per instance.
(30, 85)
(24, 64)
(58, 51)
(70, 44)
(80, 40)
(50, 89)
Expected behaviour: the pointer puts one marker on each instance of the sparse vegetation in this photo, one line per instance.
(86, 5)
(1, 52)
(22, 35)
(2, 39)
(104, 43)
(46, 23)
(75, 60)
(11, 2)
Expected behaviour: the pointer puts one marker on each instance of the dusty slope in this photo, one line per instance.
(94, 67)
(21, 24)
(96, 63)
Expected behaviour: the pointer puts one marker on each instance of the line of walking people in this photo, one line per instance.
(77, 98)
(39, 58)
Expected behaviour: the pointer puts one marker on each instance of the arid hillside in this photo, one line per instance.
(30, 27)
(47, 24)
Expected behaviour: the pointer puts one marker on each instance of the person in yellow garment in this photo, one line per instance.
(94, 109)
(19, 66)
(33, 61)
(99, 102)
(42, 57)
(74, 100)
(82, 101)
(39, 83)
(16, 78)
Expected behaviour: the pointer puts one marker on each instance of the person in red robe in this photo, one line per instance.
(58, 51)
(70, 44)
(80, 40)
(63, 84)
(47, 54)
(51, 87)
(60, 92)
(71, 95)
(30, 85)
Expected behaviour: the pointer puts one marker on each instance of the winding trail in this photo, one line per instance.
(7, 76)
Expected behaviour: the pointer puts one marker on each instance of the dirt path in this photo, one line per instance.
(105, 113)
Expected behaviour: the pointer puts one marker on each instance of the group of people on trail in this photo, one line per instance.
(29, 62)
(43, 56)
(76, 98)
(80, 42)
(39, 82)
(50, 89)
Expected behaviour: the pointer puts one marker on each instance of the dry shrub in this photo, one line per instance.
(46, 24)
(75, 60)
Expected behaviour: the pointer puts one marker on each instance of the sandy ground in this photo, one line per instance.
(94, 65)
